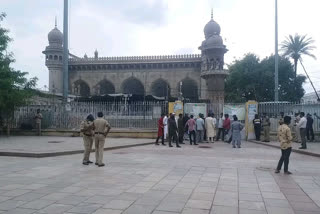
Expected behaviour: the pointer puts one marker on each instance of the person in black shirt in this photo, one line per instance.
(173, 129)
(309, 127)
(257, 126)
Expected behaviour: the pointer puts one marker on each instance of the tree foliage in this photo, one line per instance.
(15, 88)
(253, 79)
(296, 46)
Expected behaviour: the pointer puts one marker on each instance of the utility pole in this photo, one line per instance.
(315, 91)
(65, 52)
(276, 56)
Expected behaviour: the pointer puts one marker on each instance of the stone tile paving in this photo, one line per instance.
(163, 180)
(50, 144)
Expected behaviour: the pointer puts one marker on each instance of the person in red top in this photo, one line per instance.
(160, 130)
(226, 125)
(191, 123)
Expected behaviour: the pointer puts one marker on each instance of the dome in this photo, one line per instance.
(214, 40)
(55, 36)
(211, 28)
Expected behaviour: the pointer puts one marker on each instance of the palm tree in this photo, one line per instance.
(296, 46)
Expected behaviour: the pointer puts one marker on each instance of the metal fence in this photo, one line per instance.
(119, 114)
(273, 110)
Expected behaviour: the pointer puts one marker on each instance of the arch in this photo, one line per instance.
(60, 58)
(105, 87)
(160, 88)
(55, 57)
(132, 86)
(189, 88)
(81, 88)
(50, 56)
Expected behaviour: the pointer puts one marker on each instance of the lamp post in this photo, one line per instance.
(276, 56)
(65, 52)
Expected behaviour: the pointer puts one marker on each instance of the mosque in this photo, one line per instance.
(189, 76)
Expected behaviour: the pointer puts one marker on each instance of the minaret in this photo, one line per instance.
(54, 53)
(212, 51)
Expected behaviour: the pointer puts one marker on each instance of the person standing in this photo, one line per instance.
(257, 126)
(102, 128)
(302, 125)
(180, 129)
(191, 123)
(236, 128)
(210, 126)
(266, 127)
(281, 120)
(310, 128)
(165, 126)
(38, 118)
(200, 129)
(226, 126)
(220, 127)
(297, 129)
(160, 131)
(173, 129)
(87, 130)
(285, 139)
(186, 132)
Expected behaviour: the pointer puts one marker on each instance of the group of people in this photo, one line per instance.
(94, 130)
(198, 129)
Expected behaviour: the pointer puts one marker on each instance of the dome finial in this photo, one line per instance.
(55, 21)
(211, 13)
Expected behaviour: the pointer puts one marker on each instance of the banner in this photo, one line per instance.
(195, 109)
(176, 107)
(239, 110)
(251, 109)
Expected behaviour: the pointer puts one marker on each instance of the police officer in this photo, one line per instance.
(102, 128)
(257, 126)
(266, 127)
(38, 118)
(87, 129)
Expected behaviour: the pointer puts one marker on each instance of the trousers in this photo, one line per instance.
(192, 133)
(173, 137)
(303, 137)
(266, 132)
(285, 154)
(99, 141)
(310, 132)
(220, 132)
(200, 136)
(38, 128)
(87, 142)
(257, 131)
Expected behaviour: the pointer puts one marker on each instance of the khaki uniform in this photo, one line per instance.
(87, 129)
(266, 128)
(101, 127)
(38, 119)
(297, 130)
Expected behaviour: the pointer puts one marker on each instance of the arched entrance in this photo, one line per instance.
(132, 86)
(105, 87)
(189, 89)
(81, 88)
(160, 88)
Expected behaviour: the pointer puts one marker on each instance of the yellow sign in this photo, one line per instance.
(176, 107)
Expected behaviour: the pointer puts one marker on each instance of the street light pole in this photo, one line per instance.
(276, 56)
(65, 52)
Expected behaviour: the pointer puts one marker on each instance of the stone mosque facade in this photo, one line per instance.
(193, 76)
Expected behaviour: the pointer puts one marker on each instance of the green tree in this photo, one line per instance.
(15, 88)
(296, 46)
(253, 79)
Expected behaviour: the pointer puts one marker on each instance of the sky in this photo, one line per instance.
(157, 27)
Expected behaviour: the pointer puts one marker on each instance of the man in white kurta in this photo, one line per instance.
(210, 125)
(165, 126)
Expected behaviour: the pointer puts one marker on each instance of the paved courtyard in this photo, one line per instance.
(162, 180)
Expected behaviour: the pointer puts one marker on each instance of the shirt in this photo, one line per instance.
(200, 124)
(220, 123)
(191, 123)
(309, 122)
(226, 124)
(87, 128)
(302, 123)
(101, 125)
(38, 117)
(284, 136)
